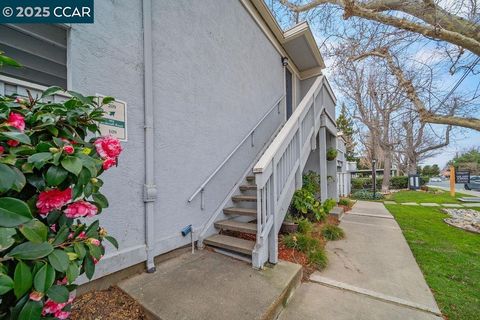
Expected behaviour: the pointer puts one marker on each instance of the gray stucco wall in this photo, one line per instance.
(107, 58)
(215, 75)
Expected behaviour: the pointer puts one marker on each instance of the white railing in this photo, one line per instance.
(249, 136)
(10, 86)
(279, 171)
(343, 184)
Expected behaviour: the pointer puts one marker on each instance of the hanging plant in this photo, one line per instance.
(49, 181)
(332, 154)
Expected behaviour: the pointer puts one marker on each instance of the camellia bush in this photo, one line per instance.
(50, 163)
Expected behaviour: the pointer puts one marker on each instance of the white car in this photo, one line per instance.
(435, 179)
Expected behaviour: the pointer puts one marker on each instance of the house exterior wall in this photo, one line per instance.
(215, 75)
(214, 78)
(107, 58)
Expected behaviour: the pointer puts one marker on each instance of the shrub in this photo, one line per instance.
(318, 258)
(304, 204)
(304, 226)
(311, 182)
(328, 205)
(301, 242)
(399, 182)
(332, 232)
(332, 154)
(49, 178)
(366, 195)
(345, 202)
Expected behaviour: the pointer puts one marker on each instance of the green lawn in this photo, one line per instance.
(449, 258)
(420, 196)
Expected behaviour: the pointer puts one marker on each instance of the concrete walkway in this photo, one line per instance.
(372, 274)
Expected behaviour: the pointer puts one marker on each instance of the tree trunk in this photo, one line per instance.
(387, 174)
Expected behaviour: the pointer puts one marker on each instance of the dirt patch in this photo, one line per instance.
(110, 304)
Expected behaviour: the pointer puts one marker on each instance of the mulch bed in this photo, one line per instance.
(110, 304)
(295, 256)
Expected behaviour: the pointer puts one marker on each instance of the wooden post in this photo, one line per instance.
(452, 181)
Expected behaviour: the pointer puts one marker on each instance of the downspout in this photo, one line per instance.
(150, 189)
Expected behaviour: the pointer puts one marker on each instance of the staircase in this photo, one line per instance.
(249, 228)
(241, 223)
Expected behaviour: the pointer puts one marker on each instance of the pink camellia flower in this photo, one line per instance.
(53, 199)
(94, 241)
(13, 143)
(63, 281)
(82, 235)
(36, 296)
(16, 120)
(108, 163)
(53, 227)
(108, 147)
(51, 306)
(80, 209)
(2, 149)
(62, 315)
(68, 149)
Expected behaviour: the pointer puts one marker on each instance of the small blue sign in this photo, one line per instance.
(46, 11)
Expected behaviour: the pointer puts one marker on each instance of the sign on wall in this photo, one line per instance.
(462, 176)
(115, 123)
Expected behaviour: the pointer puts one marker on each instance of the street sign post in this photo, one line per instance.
(452, 181)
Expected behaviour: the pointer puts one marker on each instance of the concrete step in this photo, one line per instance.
(246, 187)
(236, 226)
(250, 178)
(230, 290)
(337, 212)
(240, 211)
(244, 198)
(230, 243)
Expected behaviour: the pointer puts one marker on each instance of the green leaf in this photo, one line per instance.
(20, 180)
(79, 96)
(59, 260)
(8, 177)
(88, 190)
(31, 251)
(107, 100)
(36, 181)
(39, 159)
(51, 91)
(100, 199)
(22, 279)
(55, 175)
(95, 251)
(72, 164)
(92, 229)
(32, 310)
(62, 235)
(6, 238)
(44, 278)
(113, 241)
(84, 177)
(89, 267)
(13, 212)
(58, 293)
(35, 231)
(8, 61)
(17, 136)
(72, 272)
(80, 250)
(6, 284)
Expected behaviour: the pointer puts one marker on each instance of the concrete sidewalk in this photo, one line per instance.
(372, 274)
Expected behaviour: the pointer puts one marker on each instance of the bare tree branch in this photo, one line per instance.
(435, 22)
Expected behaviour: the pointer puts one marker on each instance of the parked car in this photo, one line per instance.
(474, 183)
(435, 179)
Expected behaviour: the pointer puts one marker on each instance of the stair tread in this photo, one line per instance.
(244, 198)
(237, 226)
(230, 243)
(241, 211)
(250, 178)
(248, 187)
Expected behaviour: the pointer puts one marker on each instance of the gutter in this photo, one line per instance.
(150, 189)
